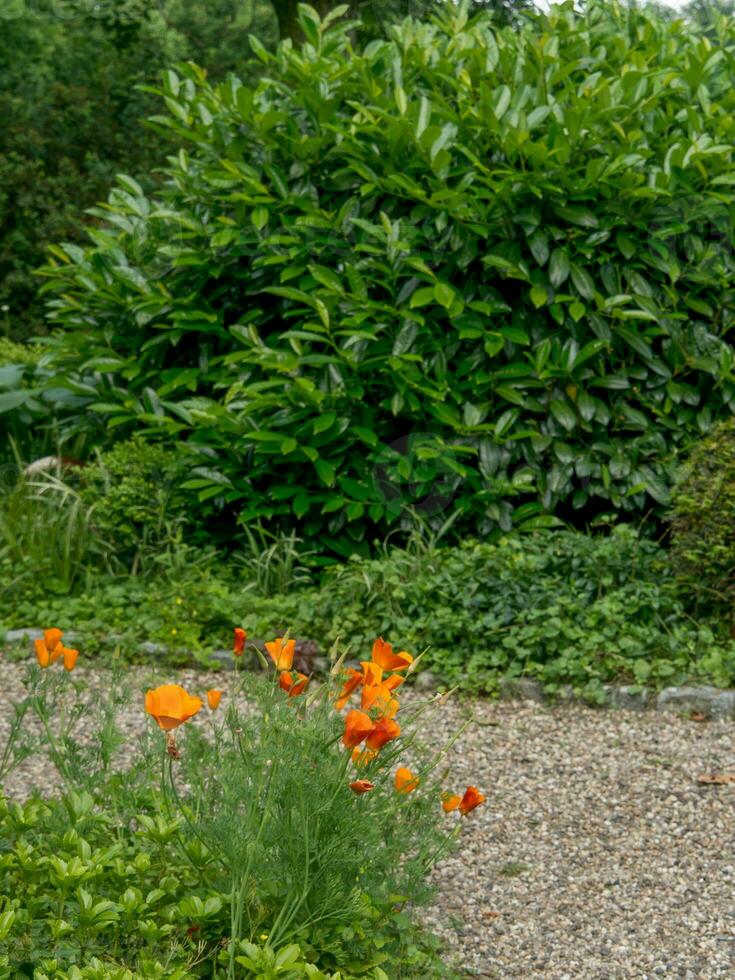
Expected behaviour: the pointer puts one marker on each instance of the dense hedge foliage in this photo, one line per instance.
(563, 607)
(487, 266)
(73, 114)
(703, 520)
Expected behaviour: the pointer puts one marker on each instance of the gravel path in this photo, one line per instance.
(598, 855)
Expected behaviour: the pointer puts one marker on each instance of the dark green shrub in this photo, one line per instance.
(133, 498)
(703, 520)
(73, 115)
(467, 265)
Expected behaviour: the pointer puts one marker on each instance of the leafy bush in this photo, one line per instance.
(133, 498)
(703, 520)
(467, 265)
(72, 114)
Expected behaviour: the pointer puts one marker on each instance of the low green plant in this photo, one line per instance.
(703, 521)
(46, 535)
(564, 607)
(133, 498)
(272, 563)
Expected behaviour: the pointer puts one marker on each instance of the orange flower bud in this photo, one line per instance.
(450, 801)
(361, 786)
(70, 658)
(42, 655)
(238, 646)
(52, 638)
(213, 698)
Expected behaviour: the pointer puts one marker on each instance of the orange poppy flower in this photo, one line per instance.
(70, 658)
(49, 649)
(213, 698)
(371, 673)
(291, 686)
(450, 801)
(361, 786)
(384, 731)
(52, 638)
(352, 683)
(383, 656)
(281, 652)
(238, 645)
(42, 654)
(472, 798)
(405, 781)
(380, 696)
(358, 726)
(171, 706)
(363, 757)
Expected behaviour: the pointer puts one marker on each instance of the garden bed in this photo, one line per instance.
(598, 852)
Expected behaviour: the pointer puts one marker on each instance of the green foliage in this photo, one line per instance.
(134, 503)
(703, 520)
(491, 268)
(566, 608)
(46, 537)
(89, 897)
(72, 113)
(184, 603)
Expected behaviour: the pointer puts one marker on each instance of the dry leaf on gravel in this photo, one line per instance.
(717, 779)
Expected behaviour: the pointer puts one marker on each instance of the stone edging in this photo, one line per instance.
(712, 702)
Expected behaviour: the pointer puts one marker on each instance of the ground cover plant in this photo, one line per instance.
(563, 607)
(468, 266)
(279, 837)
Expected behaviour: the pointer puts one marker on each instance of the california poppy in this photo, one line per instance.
(384, 730)
(213, 698)
(372, 673)
(358, 726)
(49, 648)
(352, 683)
(42, 654)
(450, 801)
(238, 645)
(383, 656)
(171, 706)
(52, 638)
(70, 658)
(380, 696)
(293, 687)
(472, 798)
(361, 786)
(281, 652)
(405, 781)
